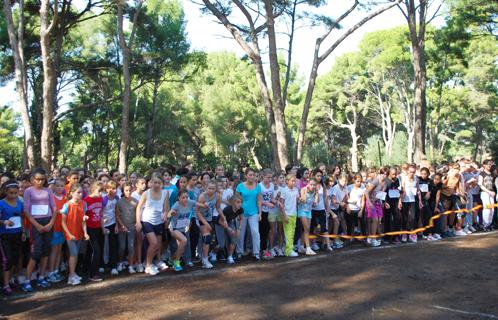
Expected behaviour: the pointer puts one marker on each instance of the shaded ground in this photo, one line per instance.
(453, 279)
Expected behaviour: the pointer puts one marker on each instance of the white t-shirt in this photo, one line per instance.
(321, 203)
(267, 195)
(290, 197)
(339, 194)
(355, 196)
(225, 197)
(409, 190)
(110, 212)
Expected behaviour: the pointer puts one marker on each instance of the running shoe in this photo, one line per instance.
(315, 247)
(101, 270)
(257, 257)
(437, 236)
(267, 255)
(301, 249)
(206, 264)
(230, 260)
(140, 268)
(460, 233)
(375, 243)
(467, 230)
(41, 282)
(52, 277)
(431, 238)
(338, 244)
(329, 248)
(26, 287)
(120, 267)
(131, 270)
(177, 266)
(293, 254)
(273, 252)
(404, 238)
(114, 272)
(471, 228)
(310, 252)
(280, 252)
(161, 265)
(413, 238)
(95, 279)
(151, 270)
(212, 257)
(74, 281)
(190, 264)
(7, 291)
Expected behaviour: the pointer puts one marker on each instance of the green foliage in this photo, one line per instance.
(11, 146)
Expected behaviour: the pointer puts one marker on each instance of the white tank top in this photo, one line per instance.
(153, 209)
(409, 190)
(321, 204)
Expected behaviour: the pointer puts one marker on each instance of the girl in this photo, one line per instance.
(302, 176)
(453, 193)
(288, 206)
(339, 200)
(179, 223)
(275, 219)
(171, 188)
(267, 190)
(152, 210)
(409, 193)
(58, 235)
(127, 219)
(233, 216)
(485, 182)
(74, 226)
(308, 197)
(392, 217)
(140, 187)
(356, 203)
(425, 185)
(11, 208)
(319, 215)
(250, 191)
(39, 208)
(111, 228)
(209, 201)
(95, 229)
(374, 199)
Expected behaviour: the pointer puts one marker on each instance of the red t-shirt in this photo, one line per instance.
(74, 218)
(58, 219)
(94, 211)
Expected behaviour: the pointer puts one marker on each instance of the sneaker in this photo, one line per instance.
(280, 252)
(413, 238)
(101, 270)
(329, 248)
(41, 282)
(293, 254)
(131, 270)
(424, 237)
(114, 272)
(460, 233)
(315, 247)
(404, 238)
(310, 252)
(431, 238)
(73, 281)
(396, 240)
(177, 266)
(95, 279)
(257, 257)
(206, 264)
(120, 266)
(161, 266)
(301, 249)
(230, 260)
(436, 236)
(140, 268)
(375, 243)
(212, 257)
(151, 270)
(26, 287)
(7, 291)
(190, 264)
(273, 252)
(471, 228)
(467, 230)
(52, 277)
(267, 255)
(63, 267)
(338, 244)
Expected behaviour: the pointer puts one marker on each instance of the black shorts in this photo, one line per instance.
(318, 217)
(158, 229)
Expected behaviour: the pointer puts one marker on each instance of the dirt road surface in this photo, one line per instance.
(451, 279)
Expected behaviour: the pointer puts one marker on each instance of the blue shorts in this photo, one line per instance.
(158, 229)
(57, 238)
(305, 214)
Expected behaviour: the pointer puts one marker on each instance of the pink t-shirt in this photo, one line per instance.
(39, 203)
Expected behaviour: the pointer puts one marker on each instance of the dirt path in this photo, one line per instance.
(454, 279)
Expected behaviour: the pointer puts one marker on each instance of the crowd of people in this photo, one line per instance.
(70, 225)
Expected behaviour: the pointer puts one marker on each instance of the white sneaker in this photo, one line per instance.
(101, 270)
(310, 252)
(73, 281)
(293, 254)
(301, 249)
(467, 230)
(273, 252)
(152, 270)
(281, 252)
(404, 238)
(338, 244)
(437, 236)
(161, 265)
(230, 260)
(131, 270)
(114, 272)
(376, 243)
(206, 264)
(471, 228)
(212, 257)
(140, 268)
(431, 238)
(460, 233)
(315, 247)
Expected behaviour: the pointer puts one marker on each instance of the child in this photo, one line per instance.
(72, 179)
(127, 219)
(319, 216)
(140, 187)
(111, 228)
(374, 199)
(409, 193)
(290, 196)
(233, 215)
(152, 210)
(39, 208)
(275, 219)
(209, 201)
(339, 201)
(95, 229)
(356, 203)
(74, 226)
(11, 209)
(392, 216)
(58, 235)
(306, 200)
(179, 222)
(267, 193)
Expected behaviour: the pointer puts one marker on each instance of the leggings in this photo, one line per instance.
(264, 230)
(94, 256)
(127, 240)
(10, 246)
(194, 233)
(351, 219)
(40, 242)
(408, 215)
(392, 217)
(113, 246)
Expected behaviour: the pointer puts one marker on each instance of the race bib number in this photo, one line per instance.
(16, 221)
(393, 193)
(39, 210)
(381, 195)
(424, 187)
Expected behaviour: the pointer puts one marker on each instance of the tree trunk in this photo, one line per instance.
(280, 126)
(17, 46)
(49, 82)
(354, 148)
(152, 118)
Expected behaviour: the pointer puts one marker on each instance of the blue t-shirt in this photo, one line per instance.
(249, 199)
(173, 193)
(183, 214)
(7, 212)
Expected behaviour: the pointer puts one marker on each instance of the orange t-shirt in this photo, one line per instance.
(58, 219)
(74, 218)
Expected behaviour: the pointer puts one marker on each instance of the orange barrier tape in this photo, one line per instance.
(399, 233)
